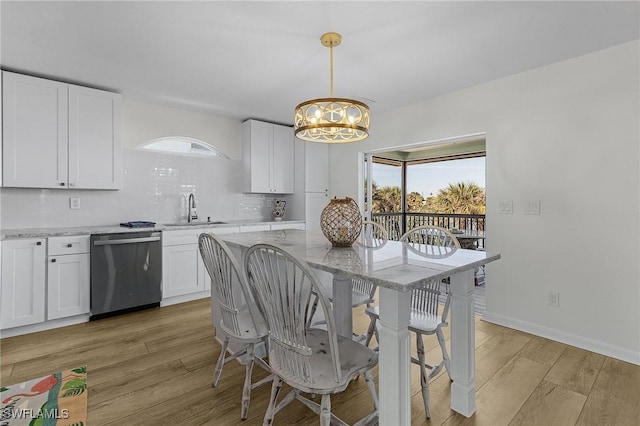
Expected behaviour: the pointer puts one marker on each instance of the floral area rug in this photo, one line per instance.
(59, 399)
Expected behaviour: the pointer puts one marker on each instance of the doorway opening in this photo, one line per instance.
(440, 183)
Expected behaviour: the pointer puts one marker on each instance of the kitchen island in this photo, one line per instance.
(396, 270)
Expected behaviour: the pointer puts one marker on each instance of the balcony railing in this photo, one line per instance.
(396, 224)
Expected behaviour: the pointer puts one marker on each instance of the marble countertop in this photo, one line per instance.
(113, 229)
(395, 265)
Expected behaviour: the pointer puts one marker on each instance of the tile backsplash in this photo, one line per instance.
(156, 187)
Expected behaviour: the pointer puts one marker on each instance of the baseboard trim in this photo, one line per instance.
(581, 342)
(43, 326)
(185, 298)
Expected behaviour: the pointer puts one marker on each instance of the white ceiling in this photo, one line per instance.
(260, 59)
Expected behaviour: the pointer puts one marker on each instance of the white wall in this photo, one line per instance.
(568, 135)
(142, 122)
(155, 185)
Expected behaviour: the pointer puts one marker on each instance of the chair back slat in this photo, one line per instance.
(283, 285)
(430, 235)
(430, 241)
(226, 279)
(372, 235)
(425, 299)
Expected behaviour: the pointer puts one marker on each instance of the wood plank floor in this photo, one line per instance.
(154, 368)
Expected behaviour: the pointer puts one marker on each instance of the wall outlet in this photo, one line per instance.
(269, 202)
(553, 299)
(74, 203)
(532, 207)
(505, 207)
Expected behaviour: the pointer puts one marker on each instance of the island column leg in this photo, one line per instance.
(342, 305)
(395, 361)
(463, 392)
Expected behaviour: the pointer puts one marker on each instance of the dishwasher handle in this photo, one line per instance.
(125, 241)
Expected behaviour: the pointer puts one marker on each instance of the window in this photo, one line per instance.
(387, 186)
(182, 145)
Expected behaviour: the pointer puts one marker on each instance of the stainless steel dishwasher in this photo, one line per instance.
(126, 272)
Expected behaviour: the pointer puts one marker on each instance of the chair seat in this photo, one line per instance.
(358, 298)
(354, 359)
(419, 322)
(248, 333)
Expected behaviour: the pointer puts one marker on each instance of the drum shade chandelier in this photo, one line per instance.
(331, 120)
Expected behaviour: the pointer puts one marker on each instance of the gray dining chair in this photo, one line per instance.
(241, 320)
(314, 361)
(435, 242)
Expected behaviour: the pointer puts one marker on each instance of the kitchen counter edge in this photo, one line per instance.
(114, 229)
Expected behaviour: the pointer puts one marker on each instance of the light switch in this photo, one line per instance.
(532, 207)
(505, 207)
(74, 203)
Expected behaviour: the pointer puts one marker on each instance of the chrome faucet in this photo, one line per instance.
(193, 215)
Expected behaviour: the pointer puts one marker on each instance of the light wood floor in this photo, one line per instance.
(155, 367)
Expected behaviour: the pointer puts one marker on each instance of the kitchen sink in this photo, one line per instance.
(216, 222)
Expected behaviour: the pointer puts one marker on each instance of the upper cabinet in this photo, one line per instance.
(58, 135)
(267, 154)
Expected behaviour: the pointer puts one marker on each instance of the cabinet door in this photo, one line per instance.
(282, 160)
(23, 282)
(181, 266)
(35, 138)
(258, 143)
(67, 285)
(95, 156)
(316, 170)
(315, 202)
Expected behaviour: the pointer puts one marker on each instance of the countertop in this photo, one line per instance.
(112, 229)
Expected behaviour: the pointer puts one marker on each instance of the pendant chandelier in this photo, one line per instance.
(331, 120)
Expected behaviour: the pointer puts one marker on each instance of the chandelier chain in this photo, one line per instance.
(331, 72)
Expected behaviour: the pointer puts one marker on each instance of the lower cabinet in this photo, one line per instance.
(299, 225)
(49, 278)
(44, 279)
(68, 276)
(23, 282)
(182, 270)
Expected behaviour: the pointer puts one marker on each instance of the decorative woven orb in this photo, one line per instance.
(341, 222)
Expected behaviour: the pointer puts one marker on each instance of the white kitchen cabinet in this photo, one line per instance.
(23, 282)
(255, 227)
(297, 225)
(68, 276)
(267, 152)
(183, 270)
(314, 203)
(95, 154)
(316, 174)
(316, 171)
(74, 130)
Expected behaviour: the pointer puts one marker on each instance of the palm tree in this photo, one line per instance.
(415, 202)
(459, 198)
(386, 199)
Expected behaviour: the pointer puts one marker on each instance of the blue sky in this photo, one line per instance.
(428, 178)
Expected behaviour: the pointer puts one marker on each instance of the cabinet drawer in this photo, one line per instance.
(277, 226)
(224, 230)
(68, 245)
(174, 238)
(255, 228)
